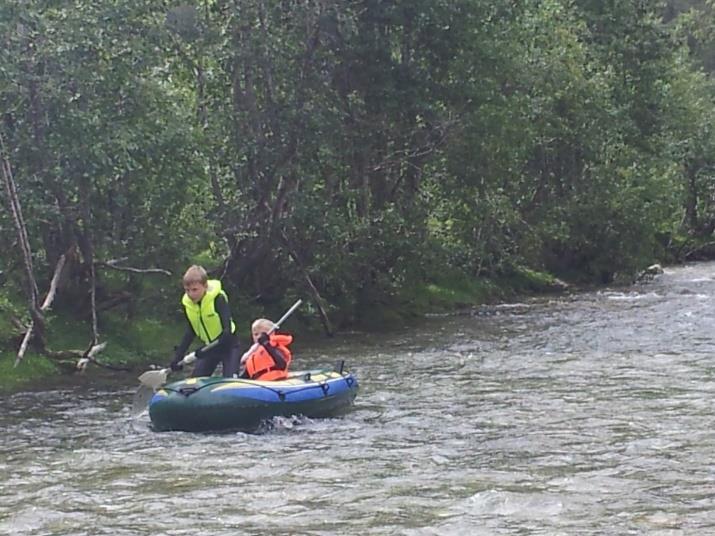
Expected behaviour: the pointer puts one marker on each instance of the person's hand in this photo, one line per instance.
(263, 339)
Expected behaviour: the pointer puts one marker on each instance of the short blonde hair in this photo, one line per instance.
(262, 324)
(195, 274)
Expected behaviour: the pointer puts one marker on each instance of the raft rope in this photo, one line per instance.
(324, 386)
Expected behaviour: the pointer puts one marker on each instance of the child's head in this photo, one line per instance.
(261, 325)
(195, 282)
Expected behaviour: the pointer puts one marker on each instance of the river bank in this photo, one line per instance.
(143, 342)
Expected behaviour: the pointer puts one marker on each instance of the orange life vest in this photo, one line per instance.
(261, 366)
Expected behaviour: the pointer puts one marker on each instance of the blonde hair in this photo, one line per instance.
(195, 274)
(262, 324)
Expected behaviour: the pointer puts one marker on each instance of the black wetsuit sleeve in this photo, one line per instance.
(224, 313)
(277, 356)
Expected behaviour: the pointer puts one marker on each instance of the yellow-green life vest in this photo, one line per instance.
(203, 315)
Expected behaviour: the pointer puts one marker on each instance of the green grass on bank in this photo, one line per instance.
(524, 280)
(31, 368)
(457, 291)
(449, 294)
(450, 291)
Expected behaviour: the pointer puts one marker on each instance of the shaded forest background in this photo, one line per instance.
(354, 153)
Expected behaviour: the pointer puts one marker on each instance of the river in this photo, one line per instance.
(589, 413)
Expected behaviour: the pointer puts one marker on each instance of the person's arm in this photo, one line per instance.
(274, 352)
(224, 313)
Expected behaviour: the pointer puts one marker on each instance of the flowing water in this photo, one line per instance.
(586, 414)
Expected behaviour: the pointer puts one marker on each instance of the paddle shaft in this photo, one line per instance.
(157, 378)
(190, 358)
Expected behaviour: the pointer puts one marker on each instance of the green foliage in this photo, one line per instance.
(362, 150)
(143, 339)
(9, 309)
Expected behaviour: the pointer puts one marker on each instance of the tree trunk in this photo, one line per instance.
(38, 320)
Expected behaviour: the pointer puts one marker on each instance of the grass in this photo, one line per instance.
(454, 291)
(31, 368)
(525, 280)
(445, 293)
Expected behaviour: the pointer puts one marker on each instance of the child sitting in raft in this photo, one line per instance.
(270, 360)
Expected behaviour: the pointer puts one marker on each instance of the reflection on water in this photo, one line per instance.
(587, 414)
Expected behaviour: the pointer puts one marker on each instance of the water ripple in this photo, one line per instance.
(586, 414)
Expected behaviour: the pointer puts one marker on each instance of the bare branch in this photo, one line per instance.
(89, 356)
(16, 209)
(23, 345)
(20, 226)
(53, 284)
(93, 300)
(45, 306)
(18, 324)
(113, 264)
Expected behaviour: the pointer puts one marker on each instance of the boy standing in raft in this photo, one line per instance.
(271, 359)
(209, 318)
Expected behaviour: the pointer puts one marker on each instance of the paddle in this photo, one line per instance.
(157, 378)
(151, 380)
(141, 399)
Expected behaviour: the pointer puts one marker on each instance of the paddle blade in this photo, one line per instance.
(141, 399)
(154, 378)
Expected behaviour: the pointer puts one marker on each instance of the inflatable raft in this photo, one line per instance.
(220, 404)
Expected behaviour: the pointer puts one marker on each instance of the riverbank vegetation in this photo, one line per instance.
(378, 159)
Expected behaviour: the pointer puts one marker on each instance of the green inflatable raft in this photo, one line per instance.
(222, 404)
